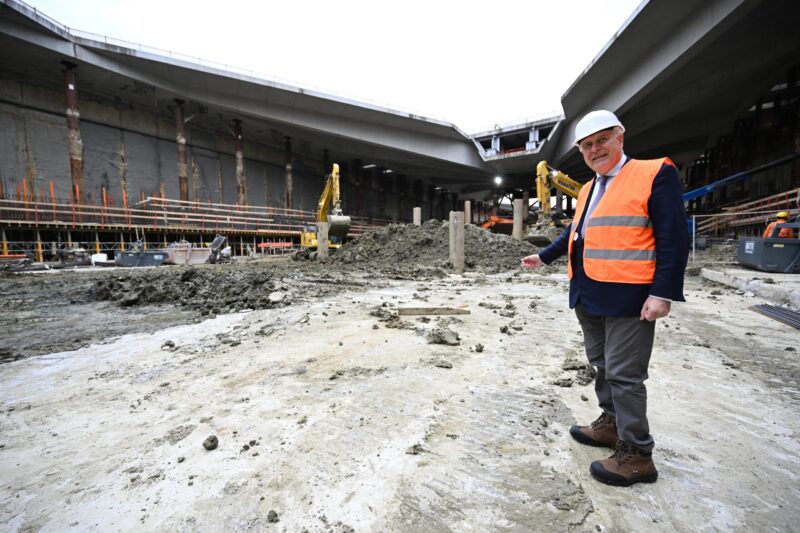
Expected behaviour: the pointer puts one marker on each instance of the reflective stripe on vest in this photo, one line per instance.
(619, 221)
(626, 255)
(619, 244)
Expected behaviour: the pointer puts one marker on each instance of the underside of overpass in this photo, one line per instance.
(714, 86)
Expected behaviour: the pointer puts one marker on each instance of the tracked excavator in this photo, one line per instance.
(548, 227)
(329, 210)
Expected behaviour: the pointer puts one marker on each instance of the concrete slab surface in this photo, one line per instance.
(781, 289)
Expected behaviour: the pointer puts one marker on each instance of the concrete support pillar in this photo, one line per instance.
(519, 223)
(526, 201)
(4, 241)
(96, 242)
(451, 248)
(432, 201)
(288, 185)
(467, 212)
(241, 176)
(180, 139)
(74, 132)
(322, 240)
(457, 241)
(417, 218)
(69, 239)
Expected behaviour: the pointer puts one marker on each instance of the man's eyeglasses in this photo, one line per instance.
(600, 141)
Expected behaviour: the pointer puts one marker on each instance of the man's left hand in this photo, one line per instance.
(654, 308)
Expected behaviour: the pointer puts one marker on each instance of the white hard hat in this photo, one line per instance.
(596, 121)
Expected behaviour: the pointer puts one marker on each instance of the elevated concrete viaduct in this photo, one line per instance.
(714, 85)
(683, 76)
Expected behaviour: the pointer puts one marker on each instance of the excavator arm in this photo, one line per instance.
(548, 178)
(329, 211)
(331, 197)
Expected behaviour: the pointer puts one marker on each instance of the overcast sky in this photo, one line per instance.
(475, 64)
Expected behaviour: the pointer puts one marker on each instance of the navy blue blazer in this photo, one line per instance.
(670, 229)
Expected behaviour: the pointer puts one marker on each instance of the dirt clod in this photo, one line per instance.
(211, 442)
(443, 336)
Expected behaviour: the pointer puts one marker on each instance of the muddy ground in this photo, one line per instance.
(332, 414)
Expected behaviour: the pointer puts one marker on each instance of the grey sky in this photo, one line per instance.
(472, 63)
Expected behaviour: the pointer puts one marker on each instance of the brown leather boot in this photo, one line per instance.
(628, 465)
(602, 432)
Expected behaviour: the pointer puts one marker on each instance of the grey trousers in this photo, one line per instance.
(620, 348)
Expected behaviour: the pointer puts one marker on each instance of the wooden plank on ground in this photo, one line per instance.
(448, 310)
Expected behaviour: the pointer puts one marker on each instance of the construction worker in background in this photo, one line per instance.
(780, 218)
(627, 248)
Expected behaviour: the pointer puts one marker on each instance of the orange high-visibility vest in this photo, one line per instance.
(619, 245)
(783, 233)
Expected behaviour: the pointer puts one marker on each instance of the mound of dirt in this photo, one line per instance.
(210, 291)
(400, 247)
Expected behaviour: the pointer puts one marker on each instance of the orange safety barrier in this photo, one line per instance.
(263, 245)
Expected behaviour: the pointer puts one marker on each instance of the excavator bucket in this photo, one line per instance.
(339, 225)
(542, 235)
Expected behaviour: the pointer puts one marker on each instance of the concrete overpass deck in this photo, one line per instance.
(678, 74)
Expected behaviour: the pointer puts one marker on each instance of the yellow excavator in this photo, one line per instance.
(546, 229)
(338, 224)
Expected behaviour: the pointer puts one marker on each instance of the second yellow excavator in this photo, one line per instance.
(338, 224)
(546, 228)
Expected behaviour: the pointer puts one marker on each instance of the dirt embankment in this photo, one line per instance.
(405, 250)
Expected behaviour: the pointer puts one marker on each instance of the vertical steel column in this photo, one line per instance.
(288, 185)
(74, 131)
(180, 139)
(241, 177)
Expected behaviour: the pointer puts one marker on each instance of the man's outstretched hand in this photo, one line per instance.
(532, 261)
